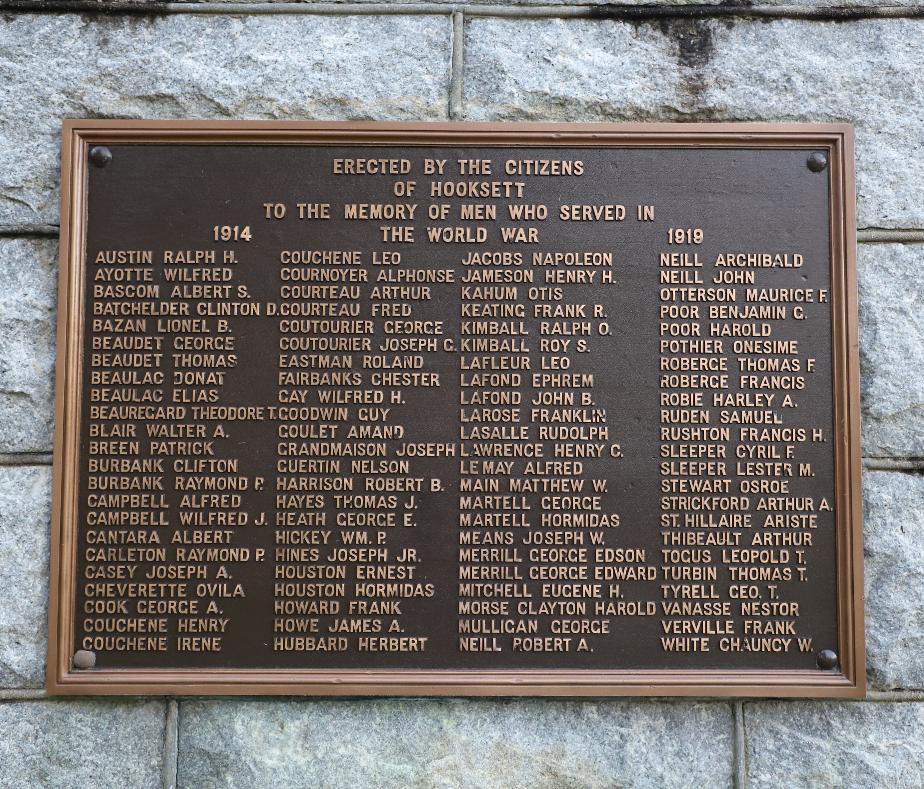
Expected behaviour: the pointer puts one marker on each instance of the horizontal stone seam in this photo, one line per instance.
(872, 697)
(31, 694)
(29, 231)
(877, 235)
(604, 11)
(462, 699)
(22, 694)
(41, 694)
(874, 235)
(25, 458)
(894, 695)
(906, 465)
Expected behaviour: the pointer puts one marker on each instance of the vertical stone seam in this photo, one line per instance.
(456, 109)
(171, 745)
(741, 766)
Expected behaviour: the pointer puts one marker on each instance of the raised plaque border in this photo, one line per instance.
(836, 140)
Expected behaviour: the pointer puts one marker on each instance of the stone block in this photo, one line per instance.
(430, 743)
(28, 271)
(894, 569)
(819, 745)
(100, 744)
(25, 503)
(891, 298)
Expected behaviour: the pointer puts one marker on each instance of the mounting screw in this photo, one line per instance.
(817, 162)
(100, 155)
(827, 659)
(83, 658)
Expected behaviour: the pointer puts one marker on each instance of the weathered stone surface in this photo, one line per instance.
(28, 271)
(189, 66)
(25, 502)
(868, 73)
(894, 548)
(819, 745)
(891, 296)
(97, 744)
(535, 744)
(568, 70)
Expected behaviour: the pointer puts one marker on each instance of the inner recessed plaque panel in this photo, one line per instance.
(453, 407)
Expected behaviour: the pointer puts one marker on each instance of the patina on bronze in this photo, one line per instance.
(458, 409)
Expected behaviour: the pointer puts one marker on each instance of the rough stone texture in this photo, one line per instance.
(868, 73)
(95, 744)
(892, 349)
(404, 744)
(894, 548)
(185, 66)
(28, 272)
(25, 499)
(821, 745)
(568, 70)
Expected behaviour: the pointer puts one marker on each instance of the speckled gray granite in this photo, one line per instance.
(894, 548)
(869, 73)
(25, 503)
(199, 66)
(570, 70)
(28, 284)
(823, 745)
(891, 297)
(403, 744)
(98, 744)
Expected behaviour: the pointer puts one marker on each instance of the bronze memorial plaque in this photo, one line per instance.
(471, 409)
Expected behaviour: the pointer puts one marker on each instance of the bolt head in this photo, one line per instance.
(84, 658)
(817, 162)
(827, 659)
(100, 155)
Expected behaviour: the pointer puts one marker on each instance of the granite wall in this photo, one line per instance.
(732, 61)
